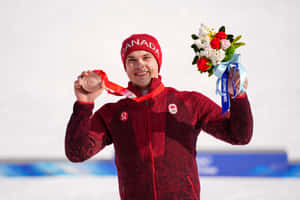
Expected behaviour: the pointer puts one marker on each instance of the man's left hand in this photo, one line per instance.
(236, 81)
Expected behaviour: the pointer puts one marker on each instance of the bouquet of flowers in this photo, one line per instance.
(212, 48)
(215, 54)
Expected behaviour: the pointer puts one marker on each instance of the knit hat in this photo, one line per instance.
(141, 42)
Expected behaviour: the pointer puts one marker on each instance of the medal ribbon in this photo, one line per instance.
(117, 90)
(222, 72)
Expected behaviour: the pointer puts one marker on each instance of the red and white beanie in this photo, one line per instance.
(141, 42)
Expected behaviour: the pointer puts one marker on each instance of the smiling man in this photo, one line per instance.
(154, 139)
(141, 67)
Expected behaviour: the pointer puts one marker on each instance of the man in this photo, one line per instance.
(154, 140)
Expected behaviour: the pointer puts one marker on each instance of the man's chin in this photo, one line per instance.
(142, 85)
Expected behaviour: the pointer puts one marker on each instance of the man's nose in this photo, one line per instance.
(140, 63)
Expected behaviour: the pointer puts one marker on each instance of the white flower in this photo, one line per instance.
(204, 37)
(204, 53)
(198, 43)
(201, 43)
(212, 53)
(219, 62)
(220, 54)
(214, 62)
(203, 29)
(216, 55)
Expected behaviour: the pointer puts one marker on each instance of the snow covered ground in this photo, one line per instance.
(106, 188)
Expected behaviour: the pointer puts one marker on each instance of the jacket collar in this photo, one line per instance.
(155, 82)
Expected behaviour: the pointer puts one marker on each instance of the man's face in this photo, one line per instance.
(141, 67)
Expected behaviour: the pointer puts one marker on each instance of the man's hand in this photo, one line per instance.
(236, 81)
(81, 94)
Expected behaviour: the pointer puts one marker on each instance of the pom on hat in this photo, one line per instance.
(141, 42)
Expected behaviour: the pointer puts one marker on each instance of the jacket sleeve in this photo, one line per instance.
(234, 127)
(86, 134)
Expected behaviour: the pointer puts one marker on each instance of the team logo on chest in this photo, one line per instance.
(124, 116)
(172, 108)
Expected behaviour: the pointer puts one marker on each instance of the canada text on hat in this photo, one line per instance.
(140, 42)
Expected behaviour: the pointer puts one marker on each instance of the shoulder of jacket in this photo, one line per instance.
(184, 93)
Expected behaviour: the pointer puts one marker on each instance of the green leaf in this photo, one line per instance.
(230, 38)
(195, 37)
(229, 53)
(227, 57)
(210, 72)
(195, 60)
(196, 49)
(239, 44)
(222, 29)
(237, 38)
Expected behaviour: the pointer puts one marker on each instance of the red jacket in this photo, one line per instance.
(155, 140)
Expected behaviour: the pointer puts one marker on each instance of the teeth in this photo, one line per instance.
(140, 73)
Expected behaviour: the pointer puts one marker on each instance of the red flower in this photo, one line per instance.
(202, 64)
(215, 43)
(221, 35)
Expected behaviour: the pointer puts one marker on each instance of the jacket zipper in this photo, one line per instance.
(193, 188)
(151, 151)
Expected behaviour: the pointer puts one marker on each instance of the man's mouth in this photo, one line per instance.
(140, 73)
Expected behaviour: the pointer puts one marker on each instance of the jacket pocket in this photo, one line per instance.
(192, 186)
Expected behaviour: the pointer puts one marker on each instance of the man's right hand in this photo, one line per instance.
(81, 94)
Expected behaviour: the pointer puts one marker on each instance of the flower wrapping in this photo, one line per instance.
(215, 54)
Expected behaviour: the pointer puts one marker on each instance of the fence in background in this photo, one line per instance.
(242, 164)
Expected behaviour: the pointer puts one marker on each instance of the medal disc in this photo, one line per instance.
(91, 82)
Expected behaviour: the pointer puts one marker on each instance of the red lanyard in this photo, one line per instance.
(118, 90)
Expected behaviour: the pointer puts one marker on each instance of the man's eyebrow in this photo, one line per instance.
(130, 57)
(146, 54)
